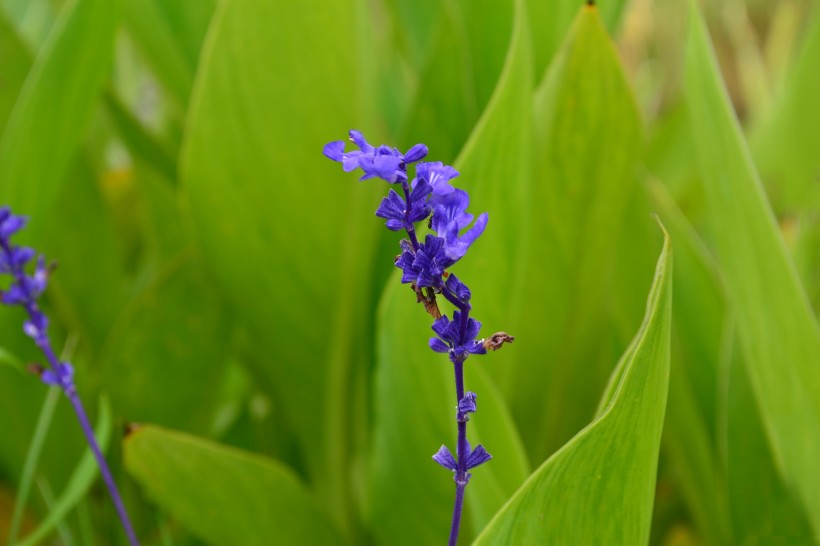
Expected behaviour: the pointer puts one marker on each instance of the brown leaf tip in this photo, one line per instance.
(131, 428)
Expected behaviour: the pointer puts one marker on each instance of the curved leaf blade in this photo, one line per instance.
(599, 488)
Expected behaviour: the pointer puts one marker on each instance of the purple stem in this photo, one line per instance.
(106, 473)
(461, 477)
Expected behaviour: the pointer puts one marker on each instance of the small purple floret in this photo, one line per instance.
(445, 458)
(478, 457)
(62, 376)
(450, 337)
(377, 162)
(468, 403)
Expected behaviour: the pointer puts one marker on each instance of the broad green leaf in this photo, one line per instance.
(286, 233)
(78, 485)
(415, 390)
(224, 495)
(46, 125)
(168, 352)
(778, 333)
(587, 143)
(599, 488)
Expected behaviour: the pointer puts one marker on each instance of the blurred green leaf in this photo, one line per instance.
(16, 64)
(599, 488)
(763, 510)
(35, 449)
(784, 145)
(188, 21)
(200, 482)
(145, 146)
(78, 485)
(460, 71)
(90, 259)
(778, 333)
(153, 35)
(691, 435)
(286, 236)
(46, 125)
(168, 352)
(9, 359)
(414, 385)
(587, 140)
(551, 21)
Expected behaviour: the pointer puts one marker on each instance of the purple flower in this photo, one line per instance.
(451, 341)
(450, 216)
(468, 403)
(475, 457)
(438, 175)
(426, 266)
(25, 289)
(393, 208)
(445, 458)
(62, 376)
(9, 223)
(461, 291)
(377, 162)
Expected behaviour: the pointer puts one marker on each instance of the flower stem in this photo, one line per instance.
(82, 417)
(461, 477)
(456, 514)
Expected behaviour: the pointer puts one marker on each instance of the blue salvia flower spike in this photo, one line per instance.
(424, 265)
(24, 291)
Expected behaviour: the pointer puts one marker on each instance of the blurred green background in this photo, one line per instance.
(219, 277)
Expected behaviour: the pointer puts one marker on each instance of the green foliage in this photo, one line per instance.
(599, 487)
(220, 278)
(189, 477)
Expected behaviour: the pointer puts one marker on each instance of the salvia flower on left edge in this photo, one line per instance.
(24, 291)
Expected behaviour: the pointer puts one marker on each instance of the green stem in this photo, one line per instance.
(32, 458)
